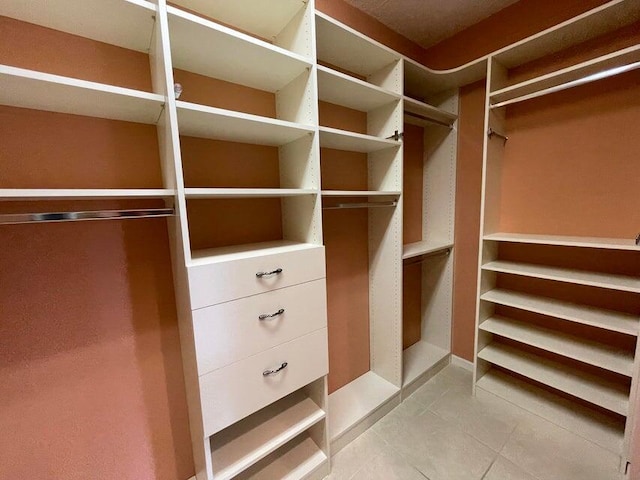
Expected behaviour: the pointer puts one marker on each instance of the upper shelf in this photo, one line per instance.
(53, 93)
(340, 89)
(246, 192)
(219, 124)
(264, 18)
(420, 113)
(207, 48)
(417, 249)
(353, 142)
(564, 241)
(83, 194)
(237, 252)
(124, 23)
(347, 48)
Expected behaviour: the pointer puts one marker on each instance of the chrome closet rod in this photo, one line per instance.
(20, 218)
(573, 83)
(361, 205)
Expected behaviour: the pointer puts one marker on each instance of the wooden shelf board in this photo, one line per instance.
(586, 422)
(428, 112)
(609, 281)
(572, 312)
(353, 142)
(579, 74)
(236, 58)
(15, 194)
(566, 241)
(590, 388)
(355, 401)
(349, 49)
(264, 18)
(53, 93)
(359, 193)
(418, 359)
(417, 249)
(237, 252)
(124, 23)
(340, 89)
(570, 346)
(296, 460)
(243, 444)
(209, 122)
(246, 192)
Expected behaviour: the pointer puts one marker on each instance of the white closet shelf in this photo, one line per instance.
(356, 401)
(570, 346)
(349, 49)
(353, 142)
(340, 89)
(426, 113)
(572, 312)
(124, 23)
(566, 241)
(609, 281)
(264, 18)
(418, 359)
(207, 48)
(417, 249)
(238, 252)
(83, 194)
(245, 443)
(582, 420)
(359, 193)
(216, 123)
(609, 395)
(53, 93)
(582, 73)
(296, 460)
(246, 192)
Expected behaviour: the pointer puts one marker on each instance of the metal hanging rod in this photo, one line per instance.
(573, 83)
(20, 218)
(424, 257)
(492, 133)
(427, 119)
(361, 205)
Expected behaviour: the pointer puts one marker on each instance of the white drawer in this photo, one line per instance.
(228, 332)
(231, 393)
(223, 281)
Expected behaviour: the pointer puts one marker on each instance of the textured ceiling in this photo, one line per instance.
(426, 22)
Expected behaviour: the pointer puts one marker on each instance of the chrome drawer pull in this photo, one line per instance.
(267, 274)
(268, 316)
(267, 373)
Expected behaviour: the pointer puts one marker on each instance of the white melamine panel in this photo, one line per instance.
(219, 124)
(264, 18)
(233, 392)
(427, 112)
(359, 193)
(231, 331)
(340, 89)
(221, 281)
(82, 194)
(125, 23)
(246, 192)
(353, 142)
(411, 250)
(356, 401)
(610, 281)
(247, 442)
(609, 395)
(573, 312)
(207, 48)
(585, 242)
(53, 93)
(570, 346)
(418, 359)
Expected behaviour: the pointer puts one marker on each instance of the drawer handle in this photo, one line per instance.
(269, 316)
(277, 271)
(268, 373)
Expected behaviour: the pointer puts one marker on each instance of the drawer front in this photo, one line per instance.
(224, 281)
(231, 393)
(228, 332)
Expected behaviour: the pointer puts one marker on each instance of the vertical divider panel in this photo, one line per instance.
(299, 34)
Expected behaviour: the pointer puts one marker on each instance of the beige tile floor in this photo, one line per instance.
(441, 432)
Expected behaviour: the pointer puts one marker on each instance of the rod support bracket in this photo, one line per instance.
(491, 133)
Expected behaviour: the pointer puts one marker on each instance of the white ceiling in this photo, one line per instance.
(427, 22)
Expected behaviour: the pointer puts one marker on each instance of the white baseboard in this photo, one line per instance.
(461, 362)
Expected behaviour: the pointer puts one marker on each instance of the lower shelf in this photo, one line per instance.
(418, 359)
(243, 444)
(355, 401)
(296, 460)
(593, 425)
